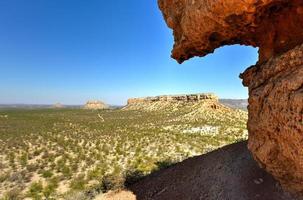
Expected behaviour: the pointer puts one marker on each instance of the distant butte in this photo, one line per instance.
(95, 105)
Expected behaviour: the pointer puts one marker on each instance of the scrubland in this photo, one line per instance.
(75, 154)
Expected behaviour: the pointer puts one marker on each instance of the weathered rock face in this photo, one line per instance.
(276, 116)
(95, 105)
(200, 26)
(275, 84)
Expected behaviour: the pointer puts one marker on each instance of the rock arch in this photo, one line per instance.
(275, 83)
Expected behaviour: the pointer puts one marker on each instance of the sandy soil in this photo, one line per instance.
(121, 195)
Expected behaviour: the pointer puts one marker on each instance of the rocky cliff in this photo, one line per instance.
(175, 98)
(276, 116)
(95, 105)
(173, 101)
(275, 83)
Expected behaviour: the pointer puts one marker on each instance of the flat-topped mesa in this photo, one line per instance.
(174, 98)
(95, 105)
(275, 83)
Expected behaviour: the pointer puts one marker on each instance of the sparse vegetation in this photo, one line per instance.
(53, 153)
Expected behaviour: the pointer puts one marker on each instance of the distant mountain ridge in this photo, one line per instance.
(47, 106)
(35, 106)
(235, 103)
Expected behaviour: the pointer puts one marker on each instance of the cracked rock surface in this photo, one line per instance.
(275, 83)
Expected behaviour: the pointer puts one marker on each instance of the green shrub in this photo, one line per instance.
(13, 194)
(3, 177)
(47, 174)
(66, 171)
(54, 181)
(94, 174)
(78, 183)
(37, 152)
(49, 190)
(32, 167)
(11, 158)
(23, 159)
(35, 190)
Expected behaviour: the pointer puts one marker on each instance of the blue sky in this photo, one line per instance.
(70, 51)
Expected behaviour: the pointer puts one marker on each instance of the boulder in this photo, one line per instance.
(275, 83)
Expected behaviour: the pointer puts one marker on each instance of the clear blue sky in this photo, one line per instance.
(70, 51)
